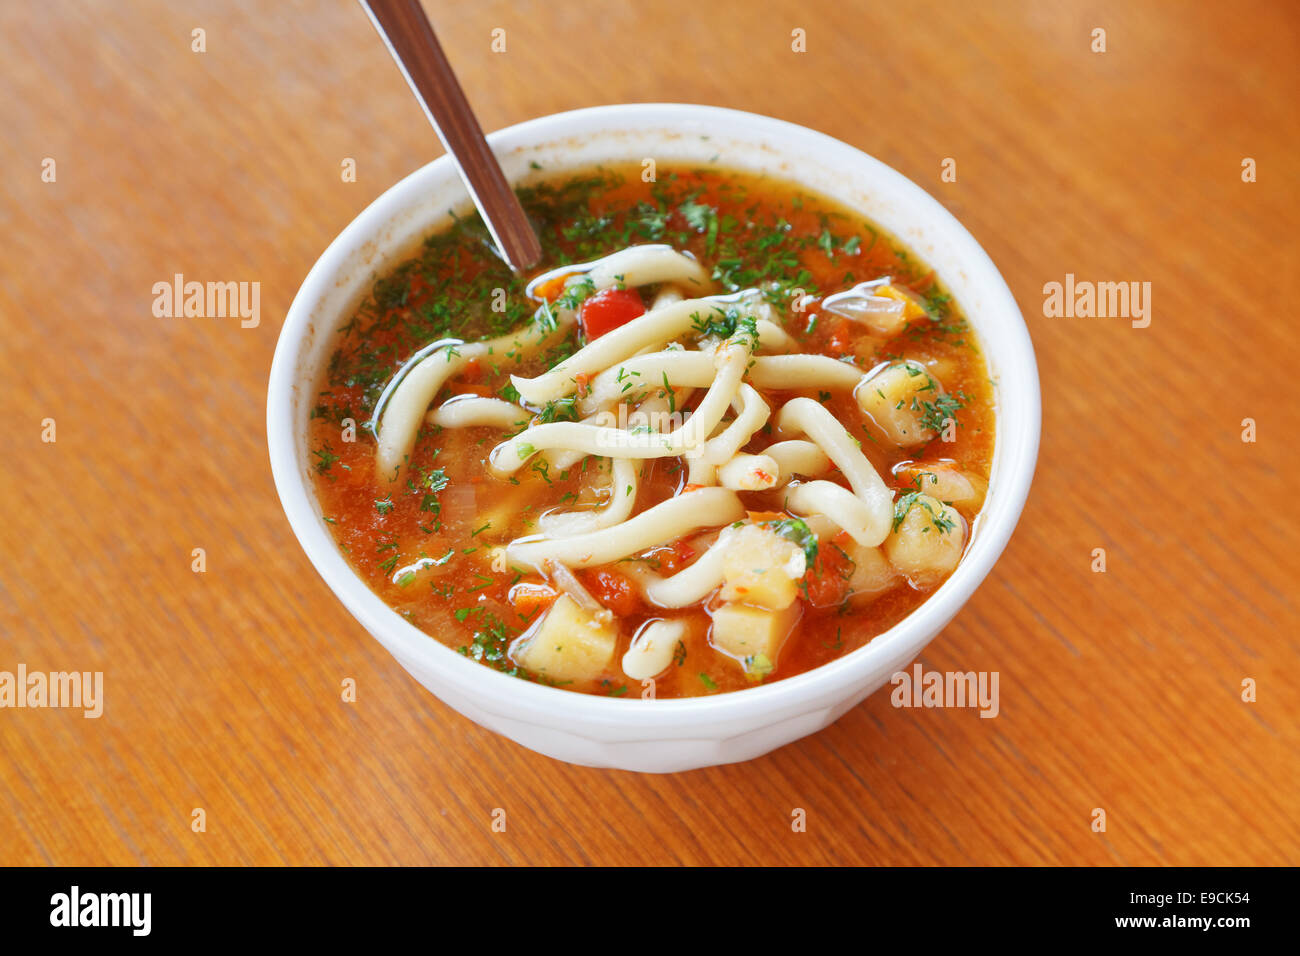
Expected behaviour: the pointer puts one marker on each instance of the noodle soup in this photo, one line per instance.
(728, 432)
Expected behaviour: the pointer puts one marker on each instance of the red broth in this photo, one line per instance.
(447, 509)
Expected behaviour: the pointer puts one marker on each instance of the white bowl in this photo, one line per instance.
(656, 735)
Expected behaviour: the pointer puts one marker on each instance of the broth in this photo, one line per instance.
(428, 540)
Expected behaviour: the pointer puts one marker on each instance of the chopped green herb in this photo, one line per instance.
(797, 530)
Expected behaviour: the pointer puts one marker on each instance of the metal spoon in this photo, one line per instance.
(410, 39)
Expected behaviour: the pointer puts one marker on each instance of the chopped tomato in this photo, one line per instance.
(528, 599)
(613, 590)
(758, 517)
(840, 338)
(683, 553)
(827, 581)
(473, 370)
(607, 310)
(672, 557)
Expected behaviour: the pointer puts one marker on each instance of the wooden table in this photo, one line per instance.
(1119, 690)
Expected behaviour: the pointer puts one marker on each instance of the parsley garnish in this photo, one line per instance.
(797, 530)
(905, 503)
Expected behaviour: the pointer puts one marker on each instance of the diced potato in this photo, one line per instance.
(753, 635)
(895, 398)
(653, 648)
(945, 481)
(927, 543)
(872, 573)
(570, 644)
(761, 568)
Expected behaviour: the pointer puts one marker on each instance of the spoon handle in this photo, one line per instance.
(410, 38)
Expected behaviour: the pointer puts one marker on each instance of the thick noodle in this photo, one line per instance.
(680, 381)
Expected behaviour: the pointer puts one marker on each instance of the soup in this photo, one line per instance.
(728, 432)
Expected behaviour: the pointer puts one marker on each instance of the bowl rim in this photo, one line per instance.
(527, 698)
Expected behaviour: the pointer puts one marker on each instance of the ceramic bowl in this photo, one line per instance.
(634, 734)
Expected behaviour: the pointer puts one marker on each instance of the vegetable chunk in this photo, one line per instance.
(762, 568)
(945, 481)
(753, 635)
(872, 573)
(927, 538)
(899, 399)
(570, 644)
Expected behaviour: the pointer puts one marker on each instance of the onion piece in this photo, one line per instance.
(882, 314)
(568, 582)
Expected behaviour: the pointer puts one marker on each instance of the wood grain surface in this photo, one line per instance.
(1119, 690)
